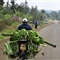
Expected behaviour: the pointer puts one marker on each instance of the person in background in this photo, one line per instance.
(36, 24)
(25, 25)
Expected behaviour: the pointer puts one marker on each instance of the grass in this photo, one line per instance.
(9, 29)
(6, 31)
(1, 36)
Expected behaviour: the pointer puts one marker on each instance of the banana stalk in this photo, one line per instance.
(6, 34)
(47, 42)
(50, 44)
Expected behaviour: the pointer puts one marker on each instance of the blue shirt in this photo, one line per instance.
(24, 26)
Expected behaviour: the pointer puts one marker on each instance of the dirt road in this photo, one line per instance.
(50, 33)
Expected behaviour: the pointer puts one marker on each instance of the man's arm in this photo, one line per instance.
(19, 28)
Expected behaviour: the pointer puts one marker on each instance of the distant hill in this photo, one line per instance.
(49, 11)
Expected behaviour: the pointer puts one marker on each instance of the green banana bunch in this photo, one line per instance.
(34, 40)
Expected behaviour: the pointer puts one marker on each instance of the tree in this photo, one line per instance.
(26, 7)
(1, 4)
(54, 14)
(7, 8)
(58, 16)
(34, 12)
(43, 15)
(13, 5)
(21, 7)
(42, 11)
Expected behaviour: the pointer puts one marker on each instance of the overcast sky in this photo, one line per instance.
(42, 4)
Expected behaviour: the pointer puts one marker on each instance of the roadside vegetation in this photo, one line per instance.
(11, 16)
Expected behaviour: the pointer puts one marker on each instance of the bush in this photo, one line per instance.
(1, 36)
(18, 13)
(9, 22)
(29, 17)
(0, 20)
(7, 19)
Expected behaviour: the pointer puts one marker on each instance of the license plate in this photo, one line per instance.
(22, 47)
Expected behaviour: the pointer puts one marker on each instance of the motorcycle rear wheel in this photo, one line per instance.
(23, 57)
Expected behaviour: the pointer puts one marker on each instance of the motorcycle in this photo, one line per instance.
(22, 49)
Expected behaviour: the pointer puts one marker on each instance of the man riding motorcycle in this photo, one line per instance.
(27, 27)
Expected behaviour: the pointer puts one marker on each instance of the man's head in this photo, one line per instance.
(25, 20)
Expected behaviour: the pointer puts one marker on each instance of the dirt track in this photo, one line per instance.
(2, 56)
